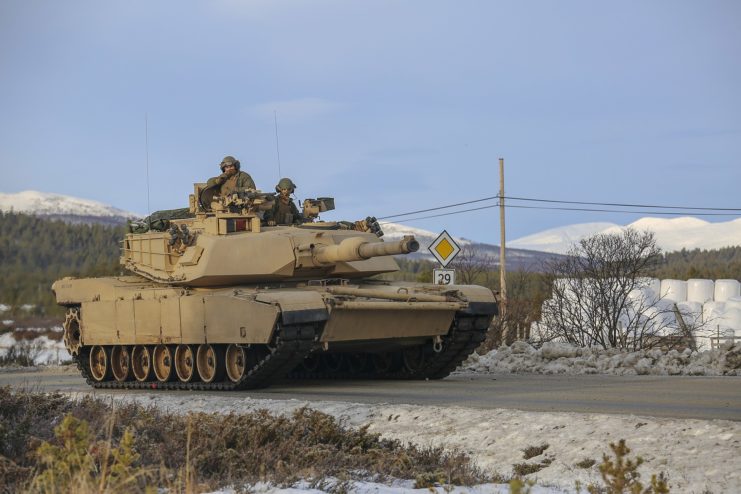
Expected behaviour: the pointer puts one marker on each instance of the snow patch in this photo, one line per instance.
(563, 358)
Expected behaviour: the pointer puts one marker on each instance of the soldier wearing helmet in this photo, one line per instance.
(284, 211)
(232, 179)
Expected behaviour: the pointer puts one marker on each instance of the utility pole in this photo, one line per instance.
(502, 264)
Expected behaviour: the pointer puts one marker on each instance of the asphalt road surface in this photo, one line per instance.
(657, 396)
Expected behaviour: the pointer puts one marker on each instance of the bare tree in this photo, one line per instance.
(524, 300)
(600, 295)
(470, 264)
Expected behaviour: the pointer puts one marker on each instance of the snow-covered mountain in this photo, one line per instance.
(671, 234)
(67, 208)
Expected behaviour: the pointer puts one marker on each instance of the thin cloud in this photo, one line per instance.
(295, 110)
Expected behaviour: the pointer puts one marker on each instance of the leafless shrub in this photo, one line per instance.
(599, 297)
(21, 354)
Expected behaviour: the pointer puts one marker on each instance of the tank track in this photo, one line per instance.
(466, 334)
(292, 345)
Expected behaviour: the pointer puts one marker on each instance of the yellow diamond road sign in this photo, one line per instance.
(444, 248)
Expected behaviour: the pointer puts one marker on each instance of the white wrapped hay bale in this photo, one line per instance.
(659, 319)
(653, 284)
(724, 289)
(674, 290)
(691, 312)
(642, 297)
(733, 303)
(700, 290)
(712, 311)
(732, 319)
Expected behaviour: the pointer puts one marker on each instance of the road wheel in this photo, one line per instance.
(100, 370)
(333, 362)
(210, 363)
(414, 358)
(384, 363)
(236, 362)
(164, 368)
(311, 363)
(357, 363)
(121, 363)
(185, 363)
(141, 360)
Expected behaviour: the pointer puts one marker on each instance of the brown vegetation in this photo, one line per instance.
(128, 447)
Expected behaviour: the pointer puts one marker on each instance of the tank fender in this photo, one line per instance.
(297, 307)
(481, 300)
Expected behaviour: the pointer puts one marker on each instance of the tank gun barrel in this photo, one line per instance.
(358, 249)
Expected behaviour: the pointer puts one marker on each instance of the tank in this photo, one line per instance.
(218, 300)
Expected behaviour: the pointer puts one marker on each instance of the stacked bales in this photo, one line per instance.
(711, 309)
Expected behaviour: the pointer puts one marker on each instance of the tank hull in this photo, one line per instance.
(133, 332)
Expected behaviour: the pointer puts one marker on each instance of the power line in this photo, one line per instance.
(440, 207)
(683, 213)
(667, 213)
(620, 204)
(662, 213)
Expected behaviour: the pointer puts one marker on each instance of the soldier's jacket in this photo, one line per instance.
(239, 181)
(284, 212)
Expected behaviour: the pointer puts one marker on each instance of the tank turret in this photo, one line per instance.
(225, 243)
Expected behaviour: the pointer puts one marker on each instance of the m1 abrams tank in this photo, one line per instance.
(220, 301)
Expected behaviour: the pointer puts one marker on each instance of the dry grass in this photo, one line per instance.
(533, 451)
(195, 451)
(522, 469)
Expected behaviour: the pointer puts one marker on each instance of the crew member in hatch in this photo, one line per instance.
(232, 179)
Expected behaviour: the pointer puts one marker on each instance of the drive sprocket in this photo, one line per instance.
(72, 334)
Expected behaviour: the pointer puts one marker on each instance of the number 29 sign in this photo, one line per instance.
(443, 276)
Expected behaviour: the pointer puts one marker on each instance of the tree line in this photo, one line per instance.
(34, 252)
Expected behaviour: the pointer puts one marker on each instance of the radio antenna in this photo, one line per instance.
(277, 146)
(146, 150)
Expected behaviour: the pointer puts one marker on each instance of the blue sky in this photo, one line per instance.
(388, 106)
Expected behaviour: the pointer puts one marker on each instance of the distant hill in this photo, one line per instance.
(66, 208)
(672, 234)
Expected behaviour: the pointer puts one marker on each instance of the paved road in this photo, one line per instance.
(658, 396)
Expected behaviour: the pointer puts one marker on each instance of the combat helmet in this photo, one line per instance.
(229, 160)
(285, 183)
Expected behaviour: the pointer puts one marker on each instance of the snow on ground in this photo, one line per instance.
(562, 358)
(697, 455)
(43, 349)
